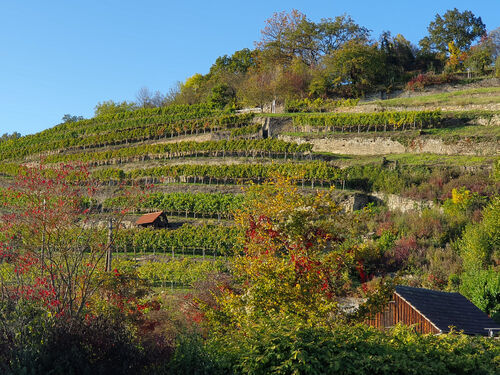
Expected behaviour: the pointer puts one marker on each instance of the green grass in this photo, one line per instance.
(447, 160)
(465, 131)
(482, 95)
(415, 159)
(459, 131)
(168, 255)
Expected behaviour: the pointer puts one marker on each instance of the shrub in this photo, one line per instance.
(68, 346)
(483, 289)
(282, 348)
(424, 80)
(480, 243)
(318, 105)
(193, 356)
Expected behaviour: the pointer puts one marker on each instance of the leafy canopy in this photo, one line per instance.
(462, 28)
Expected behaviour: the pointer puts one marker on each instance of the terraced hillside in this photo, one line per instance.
(198, 158)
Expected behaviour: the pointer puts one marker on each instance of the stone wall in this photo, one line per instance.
(402, 204)
(382, 145)
(357, 201)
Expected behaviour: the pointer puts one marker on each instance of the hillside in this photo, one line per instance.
(418, 176)
(370, 195)
(324, 200)
(203, 152)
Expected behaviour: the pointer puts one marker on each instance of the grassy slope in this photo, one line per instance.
(477, 96)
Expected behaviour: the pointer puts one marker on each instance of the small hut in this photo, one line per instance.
(434, 312)
(154, 219)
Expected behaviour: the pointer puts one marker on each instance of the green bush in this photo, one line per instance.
(282, 348)
(192, 357)
(31, 342)
(483, 289)
(480, 242)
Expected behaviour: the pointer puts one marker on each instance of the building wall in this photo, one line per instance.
(399, 311)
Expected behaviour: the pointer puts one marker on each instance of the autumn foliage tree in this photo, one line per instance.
(296, 259)
(60, 310)
(51, 247)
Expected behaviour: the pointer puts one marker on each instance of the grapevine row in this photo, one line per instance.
(121, 121)
(204, 204)
(232, 173)
(174, 112)
(155, 132)
(214, 238)
(241, 147)
(184, 272)
(365, 121)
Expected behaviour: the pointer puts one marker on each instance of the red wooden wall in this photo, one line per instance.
(399, 311)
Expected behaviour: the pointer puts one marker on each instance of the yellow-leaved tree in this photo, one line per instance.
(296, 260)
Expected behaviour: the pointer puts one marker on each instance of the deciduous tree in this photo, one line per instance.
(50, 245)
(295, 263)
(110, 107)
(355, 68)
(461, 28)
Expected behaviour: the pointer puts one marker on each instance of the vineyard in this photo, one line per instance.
(217, 205)
(325, 201)
(123, 132)
(224, 148)
(204, 240)
(197, 180)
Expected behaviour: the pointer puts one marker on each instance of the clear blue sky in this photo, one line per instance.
(61, 56)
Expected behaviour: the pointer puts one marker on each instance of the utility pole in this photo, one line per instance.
(42, 263)
(109, 251)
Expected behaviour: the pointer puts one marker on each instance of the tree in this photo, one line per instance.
(399, 56)
(258, 88)
(173, 93)
(355, 68)
(494, 37)
(295, 263)
(461, 28)
(482, 287)
(456, 58)
(239, 62)
(146, 99)
(276, 43)
(480, 56)
(69, 118)
(59, 310)
(480, 242)
(221, 95)
(334, 33)
(293, 81)
(290, 35)
(194, 90)
(110, 107)
(51, 241)
(7, 136)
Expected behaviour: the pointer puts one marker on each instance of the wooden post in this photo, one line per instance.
(109, 253)
(42, 263)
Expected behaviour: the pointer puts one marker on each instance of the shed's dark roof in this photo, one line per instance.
(447, 309)
(149, 218)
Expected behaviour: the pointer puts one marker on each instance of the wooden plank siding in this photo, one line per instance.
(400, 311)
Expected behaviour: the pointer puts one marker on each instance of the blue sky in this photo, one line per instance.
(59, 57)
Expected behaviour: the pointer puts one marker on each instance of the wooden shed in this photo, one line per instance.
(154, 219)
(434, 312)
